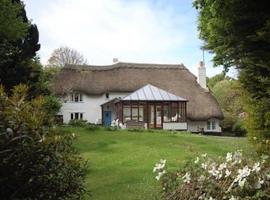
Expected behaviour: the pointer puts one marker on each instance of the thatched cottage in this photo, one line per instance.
(138, 95)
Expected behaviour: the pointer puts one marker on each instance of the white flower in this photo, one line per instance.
(159, 166)
(233, 198)
(222, 166)
(214, 172)
(187, 178)
(229, 157)
(160, 174)
(227, 173)
(237, 157)
(256, 167)
(204, 165)
(73, 135)
(204, 155)
(241, 183)
(197, 160)
(259, 183)
(202, 178)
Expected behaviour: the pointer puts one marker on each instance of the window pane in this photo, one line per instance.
(81, 115)
(135, 113)
(174, 114)
(126, 113)
(76, 99)
(76, 115)
(71, 115)
(213, 125)
(208, 125)
(81, 97)
(166, 113)
(141, 113)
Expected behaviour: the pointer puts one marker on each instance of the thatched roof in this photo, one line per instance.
(128, 77)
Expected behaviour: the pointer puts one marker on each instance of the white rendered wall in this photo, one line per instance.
(175, 126)
(196, 126)
(90, 106)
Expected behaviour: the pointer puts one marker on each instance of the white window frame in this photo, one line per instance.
(76, 97)
(211, 125)
(73, 115)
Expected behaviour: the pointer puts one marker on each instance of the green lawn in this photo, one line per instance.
(121, 162)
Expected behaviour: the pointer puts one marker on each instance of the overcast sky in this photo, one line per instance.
(152, 31)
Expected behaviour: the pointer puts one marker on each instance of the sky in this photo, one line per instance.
(143, 31)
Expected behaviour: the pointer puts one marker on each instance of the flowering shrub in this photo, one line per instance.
(234, 177)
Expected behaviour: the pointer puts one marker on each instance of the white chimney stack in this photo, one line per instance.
(115, 60)
(202, 75)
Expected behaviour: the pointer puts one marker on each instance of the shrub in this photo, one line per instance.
(37, 161)
(92, 127)
(78, 123)
(230, 178)
(238, 129)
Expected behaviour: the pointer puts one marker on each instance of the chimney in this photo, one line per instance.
(115, 60)
(202, 75)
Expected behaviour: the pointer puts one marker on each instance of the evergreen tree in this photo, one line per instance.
(18, 46)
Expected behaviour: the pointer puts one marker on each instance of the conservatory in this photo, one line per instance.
(152, 108)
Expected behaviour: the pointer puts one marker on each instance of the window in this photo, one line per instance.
(208, 125)
(126, 113)
(76, 115)
(76, 97)
(166, 113)
(211, 125)
(141, 116)
(135, 113)
(174, 112)
(107, 95)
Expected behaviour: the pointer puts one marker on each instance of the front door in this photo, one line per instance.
(107, 118)
(155, 116)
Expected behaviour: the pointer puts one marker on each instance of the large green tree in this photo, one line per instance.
(238, 33)
(18, 46)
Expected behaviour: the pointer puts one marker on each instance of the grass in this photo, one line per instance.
(121, 162)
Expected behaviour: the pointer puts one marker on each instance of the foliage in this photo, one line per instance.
(237, 32)
(12, 26)
(18, 46)
(211, 82)
(78, 123)
(229, 94)
(65, 55)
(37, 161)
(230, 178)
(52, 105)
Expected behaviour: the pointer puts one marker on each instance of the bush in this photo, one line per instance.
(78, 123)
(37, 161)
(92, 127)
(238, 129)
(230, 178)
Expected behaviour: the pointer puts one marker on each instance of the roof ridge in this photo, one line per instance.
(125, 65)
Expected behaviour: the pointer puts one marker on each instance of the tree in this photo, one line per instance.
(18, 46)
(228, 93)
(238, 33)
(37, 160)
(211, 82)
(65, 55)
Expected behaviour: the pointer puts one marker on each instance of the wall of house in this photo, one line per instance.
(90, 106)
(197, 126)
(175, 126)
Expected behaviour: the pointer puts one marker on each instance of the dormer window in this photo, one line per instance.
(107, 95)
(76, 97)
(211, 125)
